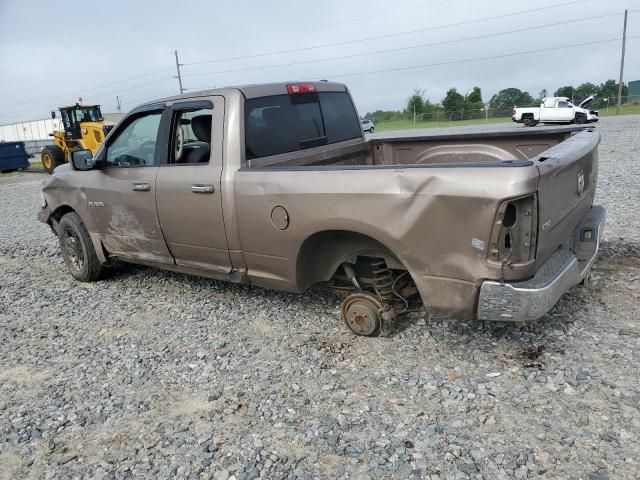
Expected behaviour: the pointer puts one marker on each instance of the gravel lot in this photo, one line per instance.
(157, 375)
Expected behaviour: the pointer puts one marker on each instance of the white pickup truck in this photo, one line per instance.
(555, 110)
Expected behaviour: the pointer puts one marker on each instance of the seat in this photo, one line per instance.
(201, 126)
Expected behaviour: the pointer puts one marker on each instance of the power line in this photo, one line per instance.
(54, 97)
(492, 57)
(164, 79)
(318, 27)
(389, 35)
(410, 47)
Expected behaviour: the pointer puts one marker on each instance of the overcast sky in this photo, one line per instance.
(53, 52)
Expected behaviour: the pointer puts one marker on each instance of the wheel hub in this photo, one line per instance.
(73, 249)
(360, 314)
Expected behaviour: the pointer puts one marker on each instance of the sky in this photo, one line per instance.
(50, 55)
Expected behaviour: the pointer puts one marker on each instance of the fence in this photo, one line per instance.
(487, 114)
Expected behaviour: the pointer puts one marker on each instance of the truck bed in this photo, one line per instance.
(437, 147)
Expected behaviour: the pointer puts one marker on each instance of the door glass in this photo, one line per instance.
(191, 136)
(135, 146)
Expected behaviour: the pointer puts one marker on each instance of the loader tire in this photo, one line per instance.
(52, 156)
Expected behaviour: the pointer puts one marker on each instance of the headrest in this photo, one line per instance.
(201, 126)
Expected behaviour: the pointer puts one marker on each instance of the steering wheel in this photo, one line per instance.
(179, 142)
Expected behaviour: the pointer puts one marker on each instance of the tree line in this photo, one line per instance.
(456, 106)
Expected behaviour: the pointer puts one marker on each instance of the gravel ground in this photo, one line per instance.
(157, 375)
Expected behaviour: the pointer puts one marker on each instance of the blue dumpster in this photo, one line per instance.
(13, 156)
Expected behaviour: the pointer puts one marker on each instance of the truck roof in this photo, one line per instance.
(256, 90)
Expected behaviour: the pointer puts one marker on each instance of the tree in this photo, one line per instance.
(503, 101)
(453, 104)
(416, 102)
(543, 94)
(609, 89)
(473, 105)
(566, 91)
(584, 90)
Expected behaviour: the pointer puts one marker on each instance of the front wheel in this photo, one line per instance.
(77, 249)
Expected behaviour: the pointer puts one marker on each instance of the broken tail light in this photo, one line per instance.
(514, 233)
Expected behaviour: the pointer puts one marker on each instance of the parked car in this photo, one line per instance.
(556, 110)
(276, 186)
(367, 126)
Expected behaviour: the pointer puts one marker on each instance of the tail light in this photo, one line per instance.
(513, 111)
(514, 234)
(300, 88)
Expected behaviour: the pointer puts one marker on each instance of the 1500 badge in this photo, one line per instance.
(95, 204)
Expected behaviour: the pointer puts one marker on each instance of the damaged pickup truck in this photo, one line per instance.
(275, 185)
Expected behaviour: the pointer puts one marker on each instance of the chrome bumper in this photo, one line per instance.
(532, 299)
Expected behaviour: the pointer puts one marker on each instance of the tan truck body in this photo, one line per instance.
(492, 226)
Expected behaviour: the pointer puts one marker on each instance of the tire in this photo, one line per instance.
(77, 249)
(529, 122)
(580, 119)
(52, 156)
(371, 130)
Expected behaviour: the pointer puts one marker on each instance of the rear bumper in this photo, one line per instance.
(532, 299)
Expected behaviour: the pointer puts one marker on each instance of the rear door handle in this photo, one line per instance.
(202, 188)
(141, 187)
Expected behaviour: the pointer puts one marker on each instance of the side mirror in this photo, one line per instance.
(53, 114)
(82, 160)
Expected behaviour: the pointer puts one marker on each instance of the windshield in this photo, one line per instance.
(87, 114)
(287, 123)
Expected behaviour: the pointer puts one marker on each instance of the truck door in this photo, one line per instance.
(563, 111)
(188, 193)
(121, 195)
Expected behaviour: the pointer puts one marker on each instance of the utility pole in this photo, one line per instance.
(414, 113)
(118, 104)
(624, 41)
(179, 77)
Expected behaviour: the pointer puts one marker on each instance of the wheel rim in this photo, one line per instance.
(360, 314)
(46, 161)
(73, 250)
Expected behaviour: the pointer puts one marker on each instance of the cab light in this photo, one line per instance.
(300, 88)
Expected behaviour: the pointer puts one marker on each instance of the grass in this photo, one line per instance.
(32, 166)
(404, 124)
(627, 109)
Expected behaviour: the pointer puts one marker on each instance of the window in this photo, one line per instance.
(135, 145)
(287, 123)
(550, 103)
(563, 104)
(191, 135)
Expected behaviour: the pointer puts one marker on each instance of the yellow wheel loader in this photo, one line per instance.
(84, 128)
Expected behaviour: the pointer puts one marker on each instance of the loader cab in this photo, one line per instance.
(74, 115)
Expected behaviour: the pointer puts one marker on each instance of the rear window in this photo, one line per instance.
(287, 123)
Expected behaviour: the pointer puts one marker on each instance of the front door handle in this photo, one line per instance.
(202, 188)
(141, 187)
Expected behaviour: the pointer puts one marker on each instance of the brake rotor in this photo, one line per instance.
(361, 313)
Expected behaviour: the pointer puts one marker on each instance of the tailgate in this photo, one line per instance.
(568, 175)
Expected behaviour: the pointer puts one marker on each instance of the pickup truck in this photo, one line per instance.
(555, 110)
(275, 185)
